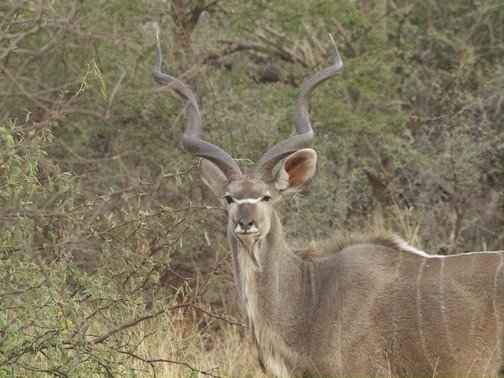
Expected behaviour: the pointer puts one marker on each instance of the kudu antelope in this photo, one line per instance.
(367, 305)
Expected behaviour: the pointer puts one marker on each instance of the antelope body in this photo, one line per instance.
(368, 305)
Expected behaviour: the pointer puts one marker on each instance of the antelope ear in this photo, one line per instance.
(213, 177)
(296, 171)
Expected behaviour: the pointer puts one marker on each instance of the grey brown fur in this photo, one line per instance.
(362, 304)
(359, 305)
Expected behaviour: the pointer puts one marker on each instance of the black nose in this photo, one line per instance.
(245, 223)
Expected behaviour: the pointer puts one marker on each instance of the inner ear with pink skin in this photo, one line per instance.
(296, 170)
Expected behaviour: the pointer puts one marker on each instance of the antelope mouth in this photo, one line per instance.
(251, 232)
(245, 233)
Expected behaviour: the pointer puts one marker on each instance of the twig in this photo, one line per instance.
(139, 320)
(218, 316)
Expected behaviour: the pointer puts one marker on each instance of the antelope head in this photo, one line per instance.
(250, 197)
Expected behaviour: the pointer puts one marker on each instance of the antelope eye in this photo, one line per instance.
(267, 198)
(229, 199)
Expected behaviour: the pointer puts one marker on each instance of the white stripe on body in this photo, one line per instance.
(420, 321)
(443, 307)
(408, 248)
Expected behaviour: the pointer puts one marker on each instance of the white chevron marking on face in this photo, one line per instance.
(250, 200)
(247, 200)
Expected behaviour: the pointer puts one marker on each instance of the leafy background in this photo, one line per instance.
(113, 255)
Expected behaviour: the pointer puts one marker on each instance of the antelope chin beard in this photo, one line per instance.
(250, 243)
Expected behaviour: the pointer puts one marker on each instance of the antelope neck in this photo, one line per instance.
(274, 296)
(264, 283)
(270, 252)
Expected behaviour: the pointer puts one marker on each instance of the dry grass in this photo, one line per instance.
(219, 348)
